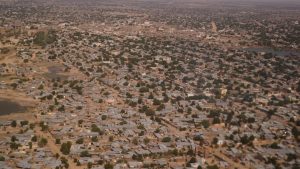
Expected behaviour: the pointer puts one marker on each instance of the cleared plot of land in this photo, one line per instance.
(9, 56)
(17, 96)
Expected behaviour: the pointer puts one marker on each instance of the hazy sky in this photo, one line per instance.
(231, 1)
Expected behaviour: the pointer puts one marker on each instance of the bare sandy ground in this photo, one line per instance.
(18, 116)
(18, 97)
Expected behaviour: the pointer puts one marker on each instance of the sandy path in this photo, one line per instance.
(55, 149)
(214, 151)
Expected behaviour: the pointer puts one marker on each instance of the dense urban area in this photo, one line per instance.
(149, 84)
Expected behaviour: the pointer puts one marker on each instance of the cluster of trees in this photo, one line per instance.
(13, 123)
(65, 162)
(148, 111)
(174, 152)
(4, 50)
(22, 123)
(13, 144)
(43, 38)
(245, 139)
(76, 85)
(44, 126)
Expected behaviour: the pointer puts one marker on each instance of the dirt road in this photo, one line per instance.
(55, 149)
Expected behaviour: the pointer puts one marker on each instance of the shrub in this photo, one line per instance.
(166, 139)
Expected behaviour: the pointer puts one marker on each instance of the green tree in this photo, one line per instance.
(193, 160)
(14, 146)
(41, 87)
(57, 141)
(90, 165)
(34, 138)
(31, 126)
(111, 138)
(30, 145)
(95, 128)
(166, 139)
(24, 123)
(13, 139)
(13, 123)
(43, 142)
(156, 102)
(144, 89)
(108, 166)
(245, 139)
(79, 141)
(66, 147)
(104, 117)
(216, 120)
(212, 167)
(43, 126)
(271, 112)
(274, 145)
(14, 85)
(94, 139)
(175, 152)
(146, 140)
(65, 162)
(135, 141)
(85, 154)
(80, 122)
(205, 123)
(150, 112)
(43, 38)
(215, 140)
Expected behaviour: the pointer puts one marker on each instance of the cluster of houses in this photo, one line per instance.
(129, 99)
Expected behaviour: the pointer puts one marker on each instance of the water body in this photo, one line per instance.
(8, 107)
(55, 69)
(54, 72)
(274, 51)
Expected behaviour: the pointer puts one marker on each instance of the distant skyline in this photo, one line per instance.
(244, 1)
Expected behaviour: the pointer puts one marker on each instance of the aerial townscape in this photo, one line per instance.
(171, 84)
